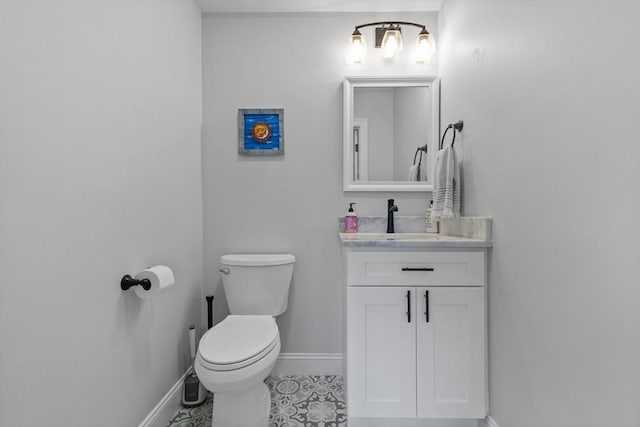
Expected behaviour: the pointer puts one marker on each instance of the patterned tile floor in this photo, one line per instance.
(296, 401)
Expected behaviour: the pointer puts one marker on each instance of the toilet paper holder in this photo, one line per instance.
(128, 281)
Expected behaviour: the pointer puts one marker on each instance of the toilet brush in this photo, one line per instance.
(193, 392)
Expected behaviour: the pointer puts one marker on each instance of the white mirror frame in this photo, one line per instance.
(347, 158)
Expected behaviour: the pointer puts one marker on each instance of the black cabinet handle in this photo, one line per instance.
(417, 269)
(426, 306)
(409, 306)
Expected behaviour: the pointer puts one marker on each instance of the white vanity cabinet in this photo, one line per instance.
(416, 333)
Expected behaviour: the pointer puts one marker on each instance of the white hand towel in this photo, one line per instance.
(446, 186)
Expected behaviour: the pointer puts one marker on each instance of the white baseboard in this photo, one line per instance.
(167, 407)
(488, 422)
(309, 364)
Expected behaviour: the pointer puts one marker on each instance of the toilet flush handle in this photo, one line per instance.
(224, 270)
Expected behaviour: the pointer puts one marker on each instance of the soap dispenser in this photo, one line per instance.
(351, 220)
(432, 223)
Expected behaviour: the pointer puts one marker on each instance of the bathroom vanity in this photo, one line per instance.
(416, 329)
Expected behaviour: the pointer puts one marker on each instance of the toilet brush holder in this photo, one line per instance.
(193, 392)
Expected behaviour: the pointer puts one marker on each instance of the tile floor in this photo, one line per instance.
(296, 401)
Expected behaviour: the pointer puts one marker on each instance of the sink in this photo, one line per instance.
(408, 240)
(389, 236)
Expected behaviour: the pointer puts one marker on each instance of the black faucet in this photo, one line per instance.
(391, 208)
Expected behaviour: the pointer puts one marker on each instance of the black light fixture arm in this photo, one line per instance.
(371, 24)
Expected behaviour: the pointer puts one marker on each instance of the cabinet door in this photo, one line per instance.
(381, 349)
(451, 353)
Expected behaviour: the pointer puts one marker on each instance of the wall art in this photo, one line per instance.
(260, 131)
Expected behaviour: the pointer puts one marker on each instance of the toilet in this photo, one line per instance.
(236, 355)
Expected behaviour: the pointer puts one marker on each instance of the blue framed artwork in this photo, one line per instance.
(260, 131)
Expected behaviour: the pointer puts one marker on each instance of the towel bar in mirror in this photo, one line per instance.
(387, 121)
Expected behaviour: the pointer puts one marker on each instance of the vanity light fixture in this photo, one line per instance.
(389, 39)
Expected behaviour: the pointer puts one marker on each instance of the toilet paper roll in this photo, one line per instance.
(161, 278)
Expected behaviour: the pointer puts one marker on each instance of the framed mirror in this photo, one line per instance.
(391, 131)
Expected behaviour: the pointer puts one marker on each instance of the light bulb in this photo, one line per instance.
(358, 47)
(425, 47)
(391, 43)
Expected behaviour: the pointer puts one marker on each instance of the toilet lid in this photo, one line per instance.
(238, 339)
(257, 260)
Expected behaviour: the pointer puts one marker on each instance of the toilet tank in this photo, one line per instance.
(257, 283)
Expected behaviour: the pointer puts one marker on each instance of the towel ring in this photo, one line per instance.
(456, 127)
(415, 156)
(420, 150)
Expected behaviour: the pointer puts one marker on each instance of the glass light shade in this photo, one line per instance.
(358, 47)
(391, 43)
(425, 47)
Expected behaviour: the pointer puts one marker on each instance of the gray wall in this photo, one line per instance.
(290, 203)
(376, 105)
(100, 175)
(550, 95)
(412, 125)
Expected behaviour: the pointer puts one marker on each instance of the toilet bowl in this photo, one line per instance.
(233, 360)
(236, 355)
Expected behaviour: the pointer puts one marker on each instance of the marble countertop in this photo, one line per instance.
(409, 240)
(463, 232)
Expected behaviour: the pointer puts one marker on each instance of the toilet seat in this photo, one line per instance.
(237, 342)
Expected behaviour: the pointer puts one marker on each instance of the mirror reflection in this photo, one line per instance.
(390, 124)
(390, 136)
